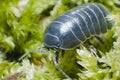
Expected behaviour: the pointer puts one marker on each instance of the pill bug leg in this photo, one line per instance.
(57, 65)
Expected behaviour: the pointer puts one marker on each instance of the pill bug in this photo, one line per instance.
(74, 27)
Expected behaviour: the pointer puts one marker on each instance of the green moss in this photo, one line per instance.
(22, 26)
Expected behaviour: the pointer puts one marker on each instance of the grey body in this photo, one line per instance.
(75, 26)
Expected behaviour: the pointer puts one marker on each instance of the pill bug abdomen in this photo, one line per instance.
(76, 25)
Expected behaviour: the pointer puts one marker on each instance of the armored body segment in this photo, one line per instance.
(75, 26)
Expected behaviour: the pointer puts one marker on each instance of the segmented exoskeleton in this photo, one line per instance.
(75, 26)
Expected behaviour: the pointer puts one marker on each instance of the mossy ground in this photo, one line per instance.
(22, 25)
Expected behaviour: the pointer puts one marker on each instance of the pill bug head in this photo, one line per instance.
(51, 41)
(51, 36)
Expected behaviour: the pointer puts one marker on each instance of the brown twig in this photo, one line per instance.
(15, 76)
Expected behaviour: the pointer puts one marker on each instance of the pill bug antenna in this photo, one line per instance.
(117, 3)
(57, 65)
(41, 49)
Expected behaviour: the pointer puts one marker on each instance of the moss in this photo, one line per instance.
(22, 25)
